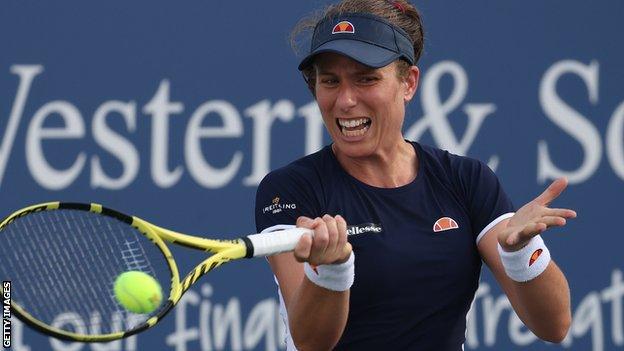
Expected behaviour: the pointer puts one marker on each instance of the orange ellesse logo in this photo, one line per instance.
(444, 223)
(535, 256)
(343, 27)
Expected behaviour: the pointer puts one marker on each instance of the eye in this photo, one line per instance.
(329, 81)
(368, 79)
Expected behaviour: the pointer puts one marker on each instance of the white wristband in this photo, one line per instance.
(336, 277)
(527, 263)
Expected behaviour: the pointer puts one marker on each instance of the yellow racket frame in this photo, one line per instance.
(223, 250)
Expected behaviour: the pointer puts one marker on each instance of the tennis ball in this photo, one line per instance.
(138, 292)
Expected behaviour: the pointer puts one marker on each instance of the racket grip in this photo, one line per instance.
(266, 244)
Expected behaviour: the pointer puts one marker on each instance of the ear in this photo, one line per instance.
(411, 83)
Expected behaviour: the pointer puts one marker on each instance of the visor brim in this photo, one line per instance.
(367, 54)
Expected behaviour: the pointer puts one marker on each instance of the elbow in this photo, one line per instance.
(557, 331)
(308, 342)
(312, 346)
(560, 334)
(556, 337)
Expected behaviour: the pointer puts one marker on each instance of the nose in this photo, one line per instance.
(346, 98)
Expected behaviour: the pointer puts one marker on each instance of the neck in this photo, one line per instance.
(389, 168)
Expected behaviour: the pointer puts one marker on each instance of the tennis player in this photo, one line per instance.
(400, 228)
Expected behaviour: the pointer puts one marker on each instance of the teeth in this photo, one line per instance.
(354, 127)
(354, 133)
(351, 123)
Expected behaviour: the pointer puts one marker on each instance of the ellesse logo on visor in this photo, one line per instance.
(444, 223)
(343, 27)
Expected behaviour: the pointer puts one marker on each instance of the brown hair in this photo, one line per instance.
(398, 12)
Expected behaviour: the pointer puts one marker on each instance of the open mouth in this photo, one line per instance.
(353, 126)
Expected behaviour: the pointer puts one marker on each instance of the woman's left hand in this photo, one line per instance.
(534, 218)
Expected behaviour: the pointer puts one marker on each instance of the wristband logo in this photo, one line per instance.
(444, 223)
(535, 256)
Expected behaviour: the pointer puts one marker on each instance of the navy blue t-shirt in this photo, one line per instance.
(417, 265)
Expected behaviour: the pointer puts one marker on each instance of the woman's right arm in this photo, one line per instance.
(316, 316)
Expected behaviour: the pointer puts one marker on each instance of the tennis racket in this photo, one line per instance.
(63, 259)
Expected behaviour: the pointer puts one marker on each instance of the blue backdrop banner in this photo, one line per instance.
(175, 111)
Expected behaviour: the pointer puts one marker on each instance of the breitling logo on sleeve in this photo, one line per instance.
(276, 206)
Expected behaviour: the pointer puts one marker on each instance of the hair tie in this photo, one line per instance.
(399, 6)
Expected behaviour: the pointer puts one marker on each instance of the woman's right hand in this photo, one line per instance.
(329, 243)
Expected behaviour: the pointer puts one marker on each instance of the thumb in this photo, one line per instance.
(346, 253)
(552, 192)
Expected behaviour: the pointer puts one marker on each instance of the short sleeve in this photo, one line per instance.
(487, 202)
(282, 196)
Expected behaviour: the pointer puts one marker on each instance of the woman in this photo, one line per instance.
(420, 220)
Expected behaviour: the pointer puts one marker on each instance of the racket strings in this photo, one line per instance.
(97, 261)
(59, 259)
(37, 268)
(50, 278)
(117, 309)
(64, 264)
(134, 258)
(86, 287)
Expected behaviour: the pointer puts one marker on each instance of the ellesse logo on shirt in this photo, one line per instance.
(444, 223)
(364, 228)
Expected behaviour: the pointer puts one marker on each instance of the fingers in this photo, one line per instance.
(552, 192)
(535, 217)
(552, 221)
(524, 235)
(320, 242)
(342, 239)
(534, 228)
(304, 222)
(327, 245)
(560, 212)
(303, 248)
(334, 235)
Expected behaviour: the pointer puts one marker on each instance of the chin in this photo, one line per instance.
(355, 150)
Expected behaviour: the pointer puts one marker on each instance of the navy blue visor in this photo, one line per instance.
(368, 39)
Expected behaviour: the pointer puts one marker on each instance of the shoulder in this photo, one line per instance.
(308, 178)
(464, 176)
(448, 164)
(306, 170)
(293, 190)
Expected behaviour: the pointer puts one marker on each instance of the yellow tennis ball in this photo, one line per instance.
(138, 292)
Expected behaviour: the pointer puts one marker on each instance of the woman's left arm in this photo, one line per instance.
(542, 303)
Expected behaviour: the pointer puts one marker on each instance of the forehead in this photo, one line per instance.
(329, 62)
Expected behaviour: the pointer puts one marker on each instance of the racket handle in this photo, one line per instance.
(266, 244)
